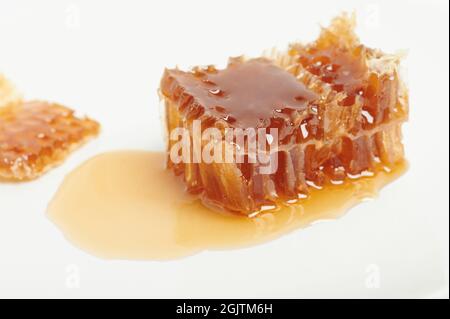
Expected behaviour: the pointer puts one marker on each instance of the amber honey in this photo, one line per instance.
(125, 205)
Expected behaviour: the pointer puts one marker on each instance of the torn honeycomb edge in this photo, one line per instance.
(341, 33)
(23, 173)
(57, 158)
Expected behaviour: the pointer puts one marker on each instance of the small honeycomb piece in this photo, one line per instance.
(338, 107)
(36, 136)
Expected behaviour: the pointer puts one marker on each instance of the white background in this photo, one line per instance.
(105, 59)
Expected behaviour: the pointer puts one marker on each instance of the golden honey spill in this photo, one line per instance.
(125, 205)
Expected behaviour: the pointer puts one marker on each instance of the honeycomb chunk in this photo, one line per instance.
(337, 106)
(35, 136)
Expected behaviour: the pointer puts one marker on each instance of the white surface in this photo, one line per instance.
(105, 58)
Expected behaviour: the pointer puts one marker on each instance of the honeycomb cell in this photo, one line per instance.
(35, 136)
(364, 76)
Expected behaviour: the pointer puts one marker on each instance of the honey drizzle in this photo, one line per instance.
(245, 94)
